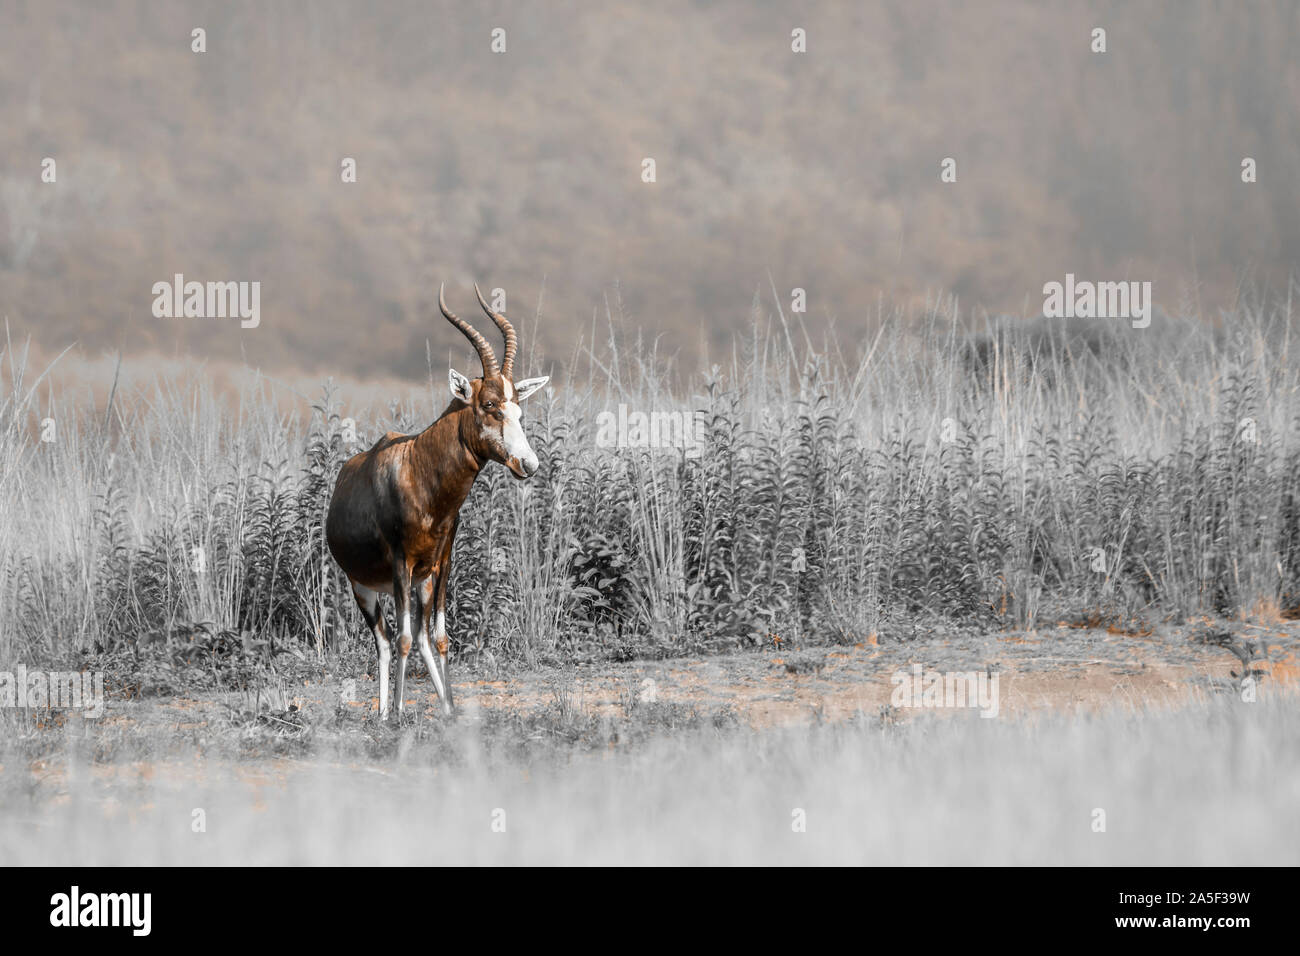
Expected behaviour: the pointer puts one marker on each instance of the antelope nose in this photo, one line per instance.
(530, 465)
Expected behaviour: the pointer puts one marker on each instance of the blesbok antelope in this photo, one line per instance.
(395, 508)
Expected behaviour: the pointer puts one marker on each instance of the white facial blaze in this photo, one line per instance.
(512, 432)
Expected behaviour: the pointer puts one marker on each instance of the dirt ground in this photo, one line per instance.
(1061, 669)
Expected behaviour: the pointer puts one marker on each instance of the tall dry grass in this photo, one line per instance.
(843, 487)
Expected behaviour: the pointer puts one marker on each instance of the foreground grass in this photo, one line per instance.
(1214, 782)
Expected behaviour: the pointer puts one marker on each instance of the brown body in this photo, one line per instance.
(392, 519)
(397, 504)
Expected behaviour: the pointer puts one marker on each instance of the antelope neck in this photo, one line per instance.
(446, 463)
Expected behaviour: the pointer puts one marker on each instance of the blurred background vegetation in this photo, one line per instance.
(521, 170)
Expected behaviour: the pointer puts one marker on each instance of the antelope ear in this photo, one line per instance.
(528, 386)
(460, 387)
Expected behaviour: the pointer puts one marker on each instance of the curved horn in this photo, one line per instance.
(485, 353)
(508, 330)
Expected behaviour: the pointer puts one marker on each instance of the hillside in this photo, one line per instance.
(522, 169)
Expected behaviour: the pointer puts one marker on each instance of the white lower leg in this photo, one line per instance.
(440, 642)
(384, 655)
(426, 652)
(368, 601)
(446, 700)
(403, 651)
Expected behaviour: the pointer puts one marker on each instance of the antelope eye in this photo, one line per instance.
(489, 404)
